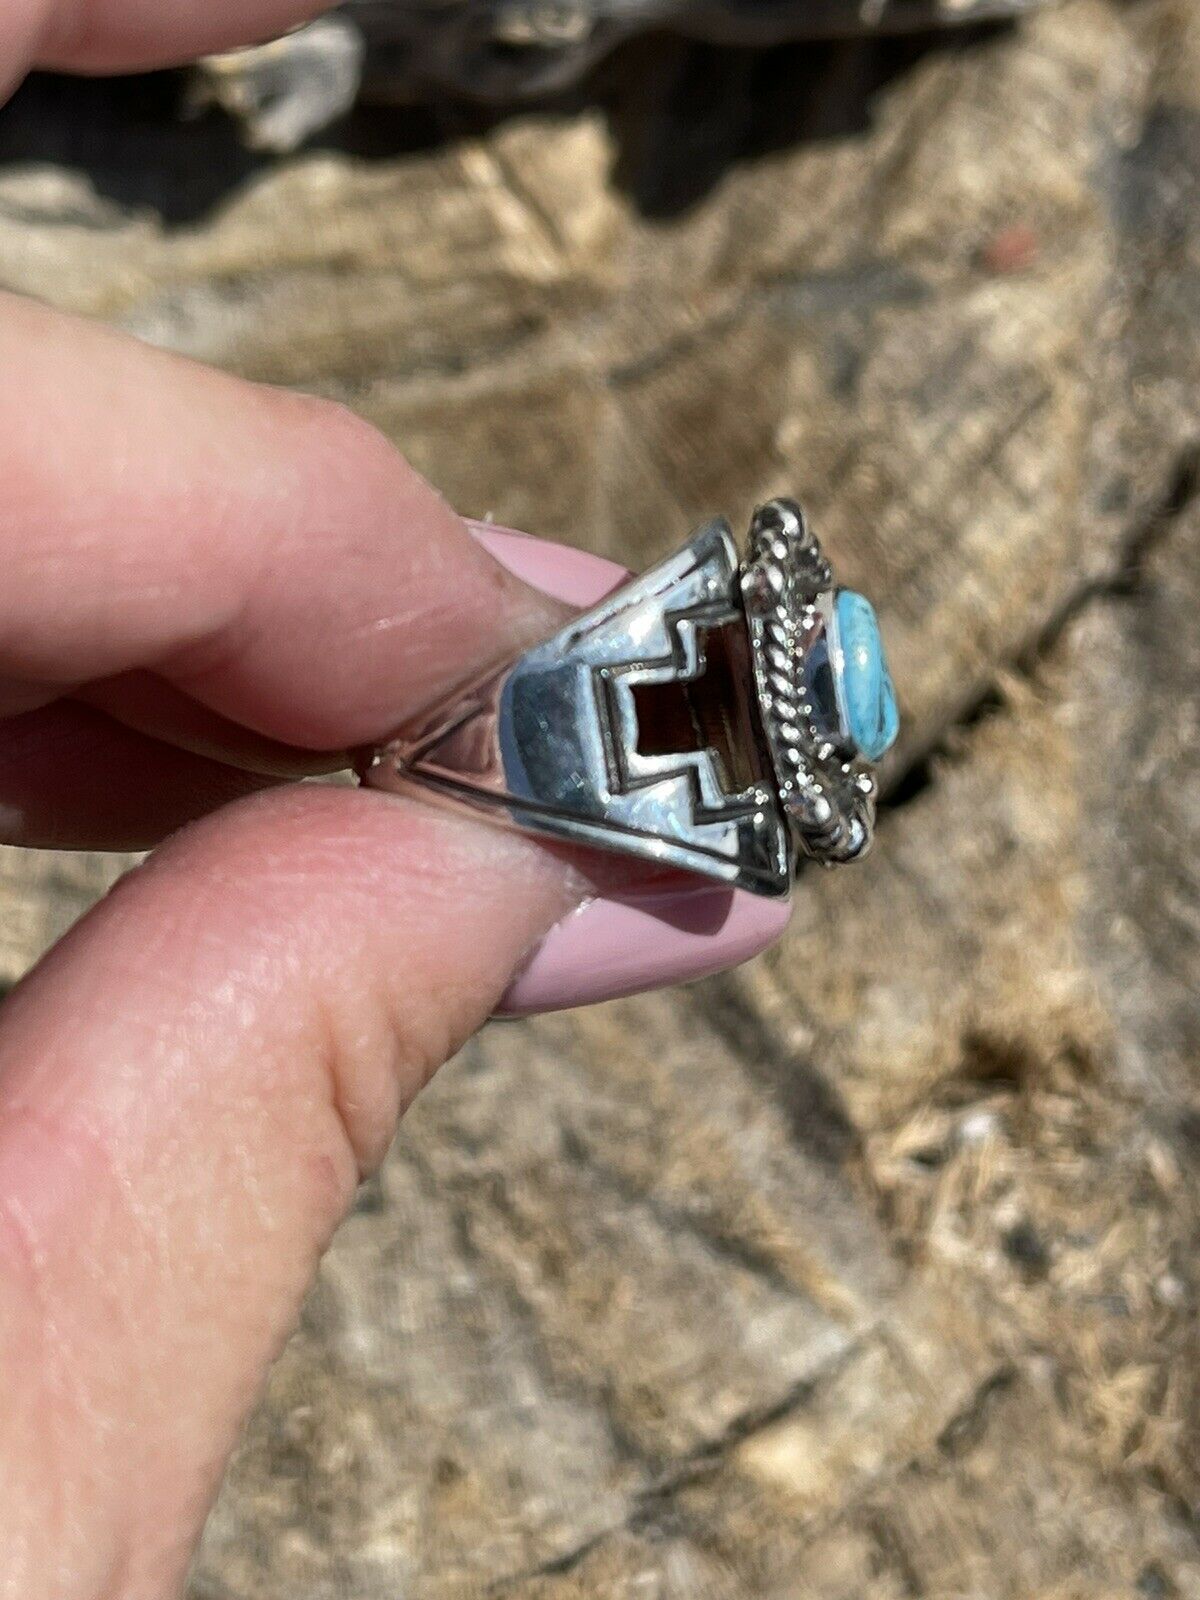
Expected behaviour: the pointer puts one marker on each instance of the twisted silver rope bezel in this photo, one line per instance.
(827, 790)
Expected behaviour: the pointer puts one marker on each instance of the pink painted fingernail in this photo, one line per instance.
(623, 944)
(650, 933)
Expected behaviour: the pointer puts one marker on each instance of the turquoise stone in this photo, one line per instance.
(867, 694)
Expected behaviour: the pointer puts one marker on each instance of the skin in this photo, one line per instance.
(208, 586)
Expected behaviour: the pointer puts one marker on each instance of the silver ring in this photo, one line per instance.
(718, 715)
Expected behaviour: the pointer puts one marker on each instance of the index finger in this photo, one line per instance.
(269, 554)
(125, 35)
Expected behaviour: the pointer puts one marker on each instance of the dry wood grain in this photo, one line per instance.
(869, 1270)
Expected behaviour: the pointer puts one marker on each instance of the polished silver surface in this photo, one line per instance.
(677, 720)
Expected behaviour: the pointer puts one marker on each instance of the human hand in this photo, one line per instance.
(206, 583)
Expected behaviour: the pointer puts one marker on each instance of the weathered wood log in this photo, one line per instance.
(869, 1270)
(505, 51)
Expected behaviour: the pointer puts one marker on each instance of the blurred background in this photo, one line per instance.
(869, 1271)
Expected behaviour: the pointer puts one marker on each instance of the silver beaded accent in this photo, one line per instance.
(788, 593)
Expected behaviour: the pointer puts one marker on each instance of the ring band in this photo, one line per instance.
(715, 715)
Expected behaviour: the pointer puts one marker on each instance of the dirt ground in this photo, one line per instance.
(869, 1271)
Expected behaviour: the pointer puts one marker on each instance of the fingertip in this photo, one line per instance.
(131, 35)
(273, 555)
(231, 1037)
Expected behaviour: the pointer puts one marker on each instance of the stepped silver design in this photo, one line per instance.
(677, 720)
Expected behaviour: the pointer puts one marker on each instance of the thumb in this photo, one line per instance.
(191, 1086)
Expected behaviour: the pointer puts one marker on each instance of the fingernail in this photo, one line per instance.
(620, 945)
(643, 935)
